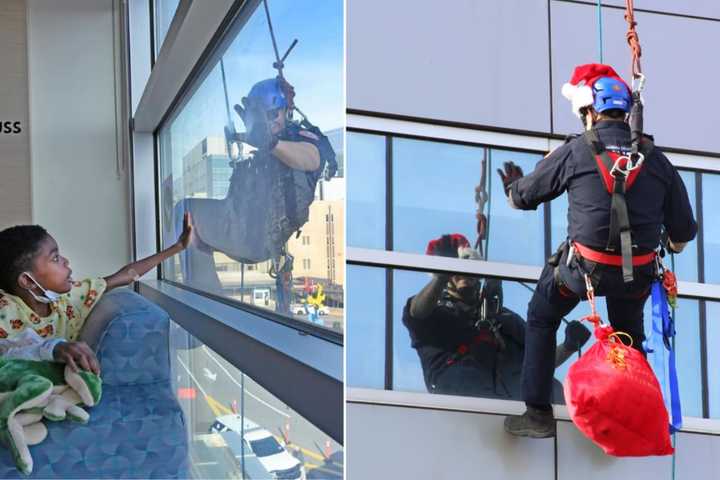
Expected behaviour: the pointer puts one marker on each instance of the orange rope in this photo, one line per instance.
(633, 39)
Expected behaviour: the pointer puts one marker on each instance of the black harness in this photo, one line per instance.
(618, 174)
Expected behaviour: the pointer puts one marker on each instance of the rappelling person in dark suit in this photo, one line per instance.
(270, 190)
(467, 341)
(623, 193)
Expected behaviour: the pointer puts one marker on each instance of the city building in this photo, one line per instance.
(438, 99)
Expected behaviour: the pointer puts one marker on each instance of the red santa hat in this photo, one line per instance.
(579, 89)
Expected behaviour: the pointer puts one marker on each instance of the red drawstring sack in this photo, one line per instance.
(614, 398)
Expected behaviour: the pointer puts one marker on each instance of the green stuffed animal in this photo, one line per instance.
(31, 390)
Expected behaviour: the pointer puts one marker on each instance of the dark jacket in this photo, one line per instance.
(658, 197)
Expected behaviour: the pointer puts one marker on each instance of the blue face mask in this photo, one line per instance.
(48, 295)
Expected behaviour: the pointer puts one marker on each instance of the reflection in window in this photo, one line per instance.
(711, 227)
(164, 13)
(452, 350)
(421, 351)
(366, 190)
(235, 424)
(515, 236)
(433, 191)
(268, 200)
(713, 357)
(365, 345)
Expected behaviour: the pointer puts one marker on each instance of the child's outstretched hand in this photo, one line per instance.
(186, 236)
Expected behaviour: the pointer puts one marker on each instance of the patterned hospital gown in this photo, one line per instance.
(66, 318)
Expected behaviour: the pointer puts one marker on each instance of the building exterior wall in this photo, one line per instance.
(436, 94)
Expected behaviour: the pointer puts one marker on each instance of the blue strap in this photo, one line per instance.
(661, 335)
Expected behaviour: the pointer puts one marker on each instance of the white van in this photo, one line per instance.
(261, 297)
(271, 453)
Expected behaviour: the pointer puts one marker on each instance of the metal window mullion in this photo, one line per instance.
(389, 240)
(699, 214)
(705, 392)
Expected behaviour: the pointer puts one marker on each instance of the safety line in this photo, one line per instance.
(600, 30)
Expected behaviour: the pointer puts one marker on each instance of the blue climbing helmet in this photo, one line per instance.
(611, 93)
(269, 93)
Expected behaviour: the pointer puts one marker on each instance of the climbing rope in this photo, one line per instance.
(672, 310)
(481, 198)
(600, 30)
(633, 40)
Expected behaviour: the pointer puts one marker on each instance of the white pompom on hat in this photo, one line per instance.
(469, 253)
(579, 89)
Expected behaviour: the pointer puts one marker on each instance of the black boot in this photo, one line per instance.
(534, 423)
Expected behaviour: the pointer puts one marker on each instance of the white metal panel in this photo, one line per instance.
(578, 457)
(441, 132)
(184, 44)
(667, 59)
(412, 443)
(475, 62)
(384, 258)
(701, 8)
(697, 456)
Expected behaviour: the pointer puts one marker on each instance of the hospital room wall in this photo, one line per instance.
(79, 178)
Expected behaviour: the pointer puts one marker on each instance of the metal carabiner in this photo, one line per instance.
(640, 85)
(624, 171)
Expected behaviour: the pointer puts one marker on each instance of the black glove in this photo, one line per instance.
(576, 335)
(257, 126)
(512, 172)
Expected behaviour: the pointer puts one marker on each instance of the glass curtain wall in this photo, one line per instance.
(433, 191)
(263, 182)
(273, 441)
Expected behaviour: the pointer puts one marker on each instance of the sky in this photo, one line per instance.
(314, 67)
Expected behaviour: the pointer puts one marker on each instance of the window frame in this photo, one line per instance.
(162, 85)
(392, 126)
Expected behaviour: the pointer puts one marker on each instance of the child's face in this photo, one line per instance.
(51, 269)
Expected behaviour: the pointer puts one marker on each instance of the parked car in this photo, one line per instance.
(269, 451)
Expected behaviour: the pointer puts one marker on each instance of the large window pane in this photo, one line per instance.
(713, 356)
(366, 190)
(711, 226)
(433, 191)
(427, 353)
(686, 264)
(234, 423)
(515, 236)
(270, 227)
(365, 348)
